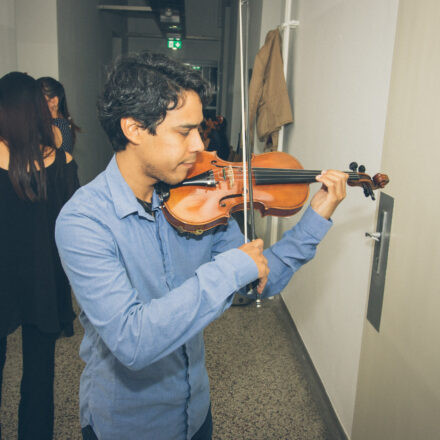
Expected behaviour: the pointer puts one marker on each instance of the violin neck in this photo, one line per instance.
(271, 176)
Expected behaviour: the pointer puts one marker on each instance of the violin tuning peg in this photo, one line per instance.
(361, 169)
(353, 166)
(366, 190)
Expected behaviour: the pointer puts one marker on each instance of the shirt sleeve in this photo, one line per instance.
(226, 238)
(296, 248)
(138, 333)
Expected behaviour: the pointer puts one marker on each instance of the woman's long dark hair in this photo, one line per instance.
(26, 128)
(51, 88)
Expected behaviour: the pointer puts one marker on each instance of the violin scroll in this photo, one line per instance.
(380, 180)
(358, 178)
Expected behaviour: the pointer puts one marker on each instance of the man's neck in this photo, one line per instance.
(141, 185)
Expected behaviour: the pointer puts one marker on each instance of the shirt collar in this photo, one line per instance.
(122, 195)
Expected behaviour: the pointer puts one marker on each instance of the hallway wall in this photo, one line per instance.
(37, 37)
(85, 47)
(8, 42)
(339, 84)
(28, 37)
(338, 81)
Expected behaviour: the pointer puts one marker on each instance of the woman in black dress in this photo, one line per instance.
(64, 127)
(36, 179)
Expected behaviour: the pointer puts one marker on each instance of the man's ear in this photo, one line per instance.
(132, 130)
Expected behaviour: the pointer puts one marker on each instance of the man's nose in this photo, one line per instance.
(196, 142)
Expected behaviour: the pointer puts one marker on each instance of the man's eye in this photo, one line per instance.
(184, 133)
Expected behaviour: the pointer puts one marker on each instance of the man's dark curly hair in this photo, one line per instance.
(144, 87)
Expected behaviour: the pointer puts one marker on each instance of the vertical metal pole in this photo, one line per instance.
(243, 122)
(286, 42)
(286, 39)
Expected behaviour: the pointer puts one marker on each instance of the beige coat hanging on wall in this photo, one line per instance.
(269, 100)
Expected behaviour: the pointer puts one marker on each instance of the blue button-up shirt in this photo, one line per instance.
(146, 293)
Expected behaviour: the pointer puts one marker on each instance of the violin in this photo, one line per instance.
(213, 189)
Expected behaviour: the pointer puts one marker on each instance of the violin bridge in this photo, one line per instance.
(230, 175)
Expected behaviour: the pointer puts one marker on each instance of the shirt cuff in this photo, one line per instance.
(315, 225)
(240, 265)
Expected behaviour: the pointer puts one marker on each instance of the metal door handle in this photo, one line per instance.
(381, 248)
(374, 235)
(378, 236)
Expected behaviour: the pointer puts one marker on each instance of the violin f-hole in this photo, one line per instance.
(230, 196)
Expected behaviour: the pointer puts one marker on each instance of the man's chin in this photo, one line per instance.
(175, 180)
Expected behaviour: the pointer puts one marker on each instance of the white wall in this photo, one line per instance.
(28, 37)
(37, 37)
(339, 83)
(8, 43)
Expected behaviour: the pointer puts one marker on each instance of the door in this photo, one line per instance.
(398, 393)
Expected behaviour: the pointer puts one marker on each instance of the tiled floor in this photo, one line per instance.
(260, 388)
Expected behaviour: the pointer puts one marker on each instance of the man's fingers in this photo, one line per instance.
(333, 191)
(255, 250)
(258, 243)
(335, 182)
(261, 285)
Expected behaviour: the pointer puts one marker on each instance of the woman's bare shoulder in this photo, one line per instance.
(69, 157)
(4, 155)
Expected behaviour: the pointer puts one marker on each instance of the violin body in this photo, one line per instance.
(210, 206)
(213, 189)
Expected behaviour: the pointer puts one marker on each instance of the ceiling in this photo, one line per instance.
(161, 18)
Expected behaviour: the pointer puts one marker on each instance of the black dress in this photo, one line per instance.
(66, 133)
(33, 287)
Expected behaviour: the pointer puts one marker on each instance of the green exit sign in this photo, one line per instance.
(174, 43)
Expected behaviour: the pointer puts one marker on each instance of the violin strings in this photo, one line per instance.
(280, 171)
(267, 174)
(311, 177)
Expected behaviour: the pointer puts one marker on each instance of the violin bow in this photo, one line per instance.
(246, 149)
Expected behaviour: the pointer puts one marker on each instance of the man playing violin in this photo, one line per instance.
(146, 291)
